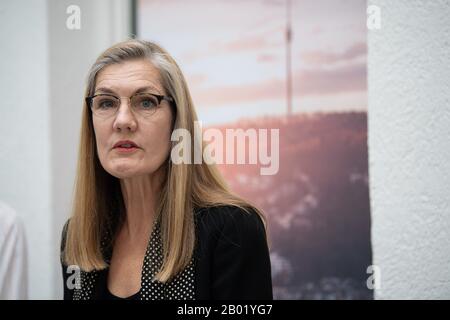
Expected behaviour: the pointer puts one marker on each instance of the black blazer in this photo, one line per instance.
(231, 257)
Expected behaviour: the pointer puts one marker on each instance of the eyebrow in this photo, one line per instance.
(140, 90)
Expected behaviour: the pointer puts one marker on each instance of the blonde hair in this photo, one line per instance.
(97, 194)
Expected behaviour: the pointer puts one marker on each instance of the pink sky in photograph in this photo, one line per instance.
(233, 53)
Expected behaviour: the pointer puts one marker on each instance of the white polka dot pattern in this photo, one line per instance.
(181, 287)
(88, 280)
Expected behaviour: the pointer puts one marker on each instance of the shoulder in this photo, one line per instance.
(64, 232)
(234, 259)
(229, 223)
(63, 240)
(221, 215)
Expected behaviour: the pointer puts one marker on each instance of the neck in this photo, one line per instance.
(140, 195)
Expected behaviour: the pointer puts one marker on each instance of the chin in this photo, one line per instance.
(122, 175)
(123, 171)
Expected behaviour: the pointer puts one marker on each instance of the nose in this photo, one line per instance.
(125, 119)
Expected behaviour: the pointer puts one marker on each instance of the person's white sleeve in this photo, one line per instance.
(13, 255)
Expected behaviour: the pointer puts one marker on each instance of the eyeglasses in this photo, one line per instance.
(143, 104)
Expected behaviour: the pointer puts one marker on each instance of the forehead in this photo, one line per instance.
(128, 76)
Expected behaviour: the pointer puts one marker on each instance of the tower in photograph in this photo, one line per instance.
(288, 58)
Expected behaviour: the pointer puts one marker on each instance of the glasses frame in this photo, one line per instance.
(158, 97)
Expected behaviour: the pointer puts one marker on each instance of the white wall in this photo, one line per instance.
(25, 170)
(43, 67)
(409, 148)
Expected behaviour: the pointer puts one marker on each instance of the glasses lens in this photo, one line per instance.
(104, 105)
(144, 104)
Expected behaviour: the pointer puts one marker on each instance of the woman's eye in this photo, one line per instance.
(148, 103)
(105, 104)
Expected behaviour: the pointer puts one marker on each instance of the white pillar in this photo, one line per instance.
(409, 148)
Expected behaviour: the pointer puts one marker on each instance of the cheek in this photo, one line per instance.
(158, 143)
(157, 137)
(164, 129)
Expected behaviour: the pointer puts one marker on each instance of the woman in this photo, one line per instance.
(143, 227)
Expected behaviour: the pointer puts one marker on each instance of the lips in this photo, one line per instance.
(125, 144)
